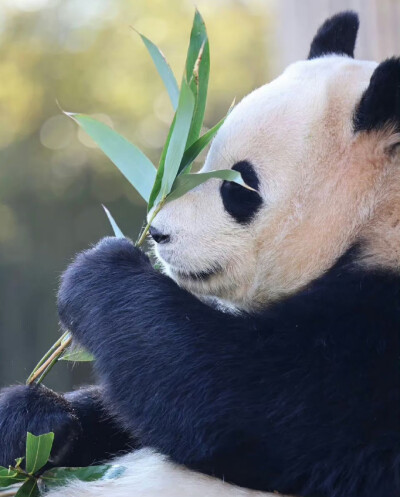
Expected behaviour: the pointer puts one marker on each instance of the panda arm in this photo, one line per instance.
(101, 435)
(285, 401)
(171, 366)
(84, 432)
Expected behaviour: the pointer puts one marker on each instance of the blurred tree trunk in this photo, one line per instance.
(298, 20)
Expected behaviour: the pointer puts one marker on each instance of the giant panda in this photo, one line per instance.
(266, 357)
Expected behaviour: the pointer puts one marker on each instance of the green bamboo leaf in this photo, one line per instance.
(164, 70)
(77, 355)
(28, 489)
(178, 138)
(60, 476)
(37, 451)
(117, 232)
(9, 477)
(197, 73)
(200, 66)
(186, 182)
(132, 162)
(155, 193)
(197, 147)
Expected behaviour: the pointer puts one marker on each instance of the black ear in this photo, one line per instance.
(380, 104)
(336, 36)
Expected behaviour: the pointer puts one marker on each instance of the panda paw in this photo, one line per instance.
(90, 283)
(110, 252)
(37, 410)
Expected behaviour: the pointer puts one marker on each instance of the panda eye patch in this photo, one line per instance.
(241, 203)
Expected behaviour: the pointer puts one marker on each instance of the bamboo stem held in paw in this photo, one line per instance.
(52, 356)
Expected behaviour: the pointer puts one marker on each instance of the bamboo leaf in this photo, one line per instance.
(37, 451)
(132, 162)
(117, 232)
(77, 355)
(178, 138)
(197, 73)
(9, 477)
(186, 182)
(28, 489)
(164, 70)
(155, 193)
(197, 147)
(60, 476)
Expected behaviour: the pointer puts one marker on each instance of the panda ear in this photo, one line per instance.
(336, 36)
(380, 104)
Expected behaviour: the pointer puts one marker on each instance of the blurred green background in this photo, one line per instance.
(53, 180)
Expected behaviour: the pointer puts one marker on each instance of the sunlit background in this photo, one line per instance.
(82, 55)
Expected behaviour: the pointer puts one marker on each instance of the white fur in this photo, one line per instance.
(297, 133)
(149, 474)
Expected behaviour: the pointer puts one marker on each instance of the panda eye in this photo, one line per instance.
(242, 203)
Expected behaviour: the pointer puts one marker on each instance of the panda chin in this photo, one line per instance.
(206, 285)
(196, 276)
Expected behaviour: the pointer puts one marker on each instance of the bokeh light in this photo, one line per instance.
(56, 132)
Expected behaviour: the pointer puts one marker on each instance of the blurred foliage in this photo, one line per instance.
(84, 55)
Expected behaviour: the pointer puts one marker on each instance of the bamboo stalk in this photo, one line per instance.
(42, 371)
(46, 356)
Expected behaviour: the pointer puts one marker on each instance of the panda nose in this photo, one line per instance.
(157, 236)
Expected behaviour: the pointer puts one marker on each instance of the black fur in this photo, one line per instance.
(84, 432)
(37, 410)
(102, 436)
(303, 398)
(336, 36)
(241, 203)
(380, 103)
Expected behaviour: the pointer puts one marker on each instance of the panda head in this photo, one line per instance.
(319, 144)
